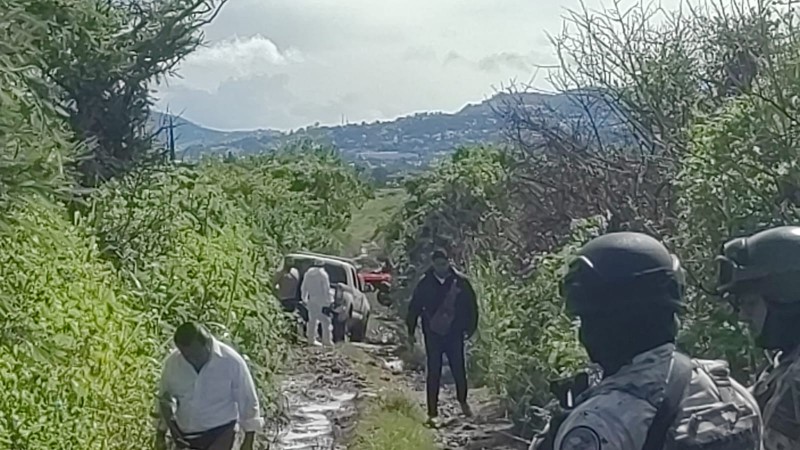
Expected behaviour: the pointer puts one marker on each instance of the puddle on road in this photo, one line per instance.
(312, 412)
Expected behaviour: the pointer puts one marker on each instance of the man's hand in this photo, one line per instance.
(247, 444)
(177, 436)
(161, 440)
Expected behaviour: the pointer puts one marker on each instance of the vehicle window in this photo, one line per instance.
(336, 273)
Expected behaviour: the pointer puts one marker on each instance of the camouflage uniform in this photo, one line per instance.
(778, 394)
(617, 413)
(760, 276)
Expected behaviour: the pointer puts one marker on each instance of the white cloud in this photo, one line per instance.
(234, 58)
(289, 63)
(248, 52)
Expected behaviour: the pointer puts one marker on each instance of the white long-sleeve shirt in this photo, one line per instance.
(316, 287)
(222, 392)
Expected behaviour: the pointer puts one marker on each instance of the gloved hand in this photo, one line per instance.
(547, 438)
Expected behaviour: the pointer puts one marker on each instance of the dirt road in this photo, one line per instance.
(324, 389)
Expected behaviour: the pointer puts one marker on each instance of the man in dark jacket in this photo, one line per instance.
(447, 303)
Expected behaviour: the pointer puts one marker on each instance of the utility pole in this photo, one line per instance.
(171, 128)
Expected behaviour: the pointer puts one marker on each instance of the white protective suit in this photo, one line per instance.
(316, 292)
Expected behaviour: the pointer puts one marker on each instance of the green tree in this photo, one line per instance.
(104, 58)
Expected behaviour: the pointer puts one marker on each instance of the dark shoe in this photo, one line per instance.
(433, 421)
(466, 409)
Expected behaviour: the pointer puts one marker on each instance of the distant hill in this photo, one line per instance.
(188, 134)
(409, 141)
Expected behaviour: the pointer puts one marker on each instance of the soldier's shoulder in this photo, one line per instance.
(581, 438)
(611, 417)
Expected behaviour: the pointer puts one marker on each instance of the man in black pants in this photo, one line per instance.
(446, 301)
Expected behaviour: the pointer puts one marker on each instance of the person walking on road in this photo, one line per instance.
(316, 293)
(626, 289)
(206, 390)
(760, 276)
(447, 303)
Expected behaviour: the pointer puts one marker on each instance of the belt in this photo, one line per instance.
(203, 439)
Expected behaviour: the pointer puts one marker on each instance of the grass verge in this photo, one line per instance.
(370, 218)
(391, 420)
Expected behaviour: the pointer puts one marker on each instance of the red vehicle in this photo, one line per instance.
(375, 278)
(381, 281)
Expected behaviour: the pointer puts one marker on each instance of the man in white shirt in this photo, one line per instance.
(206, 390)
(316, 293)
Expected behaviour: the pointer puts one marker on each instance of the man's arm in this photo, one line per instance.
(415, 307)
(304, 288)
(244, 391)
(325, 285)
(472, 309)
(164, 409)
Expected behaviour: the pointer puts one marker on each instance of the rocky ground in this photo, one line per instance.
(323, 389)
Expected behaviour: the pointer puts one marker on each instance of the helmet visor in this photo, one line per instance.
(734, 278)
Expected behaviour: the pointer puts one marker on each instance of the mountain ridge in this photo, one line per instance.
(413, 140)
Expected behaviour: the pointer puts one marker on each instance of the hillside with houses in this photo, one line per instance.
(412, 141)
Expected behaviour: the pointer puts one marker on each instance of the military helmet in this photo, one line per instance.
(623, 271)
(766, 263)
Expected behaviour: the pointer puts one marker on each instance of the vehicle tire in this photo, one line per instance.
(358, 332)
(384, 298)
(384, 287)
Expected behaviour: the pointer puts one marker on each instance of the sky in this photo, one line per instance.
(286, 64)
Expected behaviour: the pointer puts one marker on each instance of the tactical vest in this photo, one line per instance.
(713, 413)
(778, 398)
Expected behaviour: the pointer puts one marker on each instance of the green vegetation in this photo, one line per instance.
(393, 421)
(94, 281)
(108, 245)
(692, 137)
(370, 218)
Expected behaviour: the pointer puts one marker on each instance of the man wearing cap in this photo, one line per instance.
(447, 303)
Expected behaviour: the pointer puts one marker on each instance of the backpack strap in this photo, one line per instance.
(679, 378)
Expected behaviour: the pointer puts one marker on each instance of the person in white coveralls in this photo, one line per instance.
(316, 293)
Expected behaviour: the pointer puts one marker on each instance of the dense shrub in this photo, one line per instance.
(76, 368)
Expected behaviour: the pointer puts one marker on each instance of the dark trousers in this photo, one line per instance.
(219, 438)
(453, 347)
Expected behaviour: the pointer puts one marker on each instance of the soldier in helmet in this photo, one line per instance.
(760, 276)
(627, 289)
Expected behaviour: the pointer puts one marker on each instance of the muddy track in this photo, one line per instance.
(322, 389)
